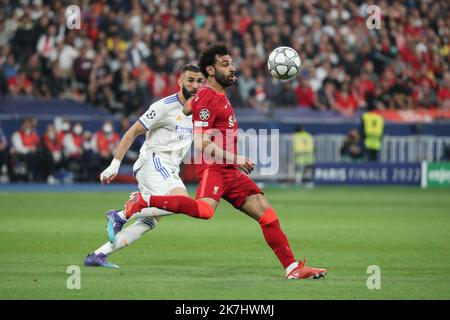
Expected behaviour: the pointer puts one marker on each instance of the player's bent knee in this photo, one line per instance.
(205, 210)
(263, 203)
(269, 216)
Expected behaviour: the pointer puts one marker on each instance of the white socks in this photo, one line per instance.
(121, 214)
(127, 236)
(152, 212)
(291, 267)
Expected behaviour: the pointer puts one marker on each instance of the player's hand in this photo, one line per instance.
(110, 173)
(245, 164)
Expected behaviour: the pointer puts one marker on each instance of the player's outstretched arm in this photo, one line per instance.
(203, 143)
(110, 173)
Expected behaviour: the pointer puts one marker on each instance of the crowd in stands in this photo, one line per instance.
(126, 53)
(64, 151)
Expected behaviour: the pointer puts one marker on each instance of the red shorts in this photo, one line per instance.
(228, 183)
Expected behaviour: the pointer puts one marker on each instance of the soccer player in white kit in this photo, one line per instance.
(169, 137)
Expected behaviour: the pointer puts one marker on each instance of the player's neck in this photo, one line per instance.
(181, 97)
(213, 84)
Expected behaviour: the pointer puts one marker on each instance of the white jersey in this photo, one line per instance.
(169, 132)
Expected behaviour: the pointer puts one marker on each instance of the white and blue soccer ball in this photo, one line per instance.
(284, 63)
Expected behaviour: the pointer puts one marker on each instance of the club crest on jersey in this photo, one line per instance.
(204, 114)
(151, 115)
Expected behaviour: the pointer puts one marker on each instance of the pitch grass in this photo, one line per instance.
(405, 231)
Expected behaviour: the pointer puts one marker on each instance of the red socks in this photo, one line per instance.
(275, 237)
(182, 204)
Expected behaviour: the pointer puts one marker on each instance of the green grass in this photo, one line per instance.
(405, 231)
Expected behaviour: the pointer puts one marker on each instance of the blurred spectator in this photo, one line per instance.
(3, 152)
(24, 151)
(345, 102)
(306, 97)
(82, 68)
(144, 79)
(99, 83)
(327, 95)
(258, 94)
(150, 40)
(72, 147)
(372, 133)
(444, 92)
(303, 143)
(10, 68)
(351, 148)
(286, 96)
(3, 84)
(20, 85)
(62, 131)
(138, 52)
(426, 96)
(23, 43)
(89, 158)
(246, 83)
(51, 154)
(55, 83)
(401, 95)
(47, 46)
(72, 142)
(106, 142)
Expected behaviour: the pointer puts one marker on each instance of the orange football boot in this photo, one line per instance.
(303, 272)
(135, 204)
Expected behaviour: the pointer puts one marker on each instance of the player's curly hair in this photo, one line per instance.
(208, 56)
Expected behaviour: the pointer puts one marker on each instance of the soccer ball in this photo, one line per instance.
(284, 63)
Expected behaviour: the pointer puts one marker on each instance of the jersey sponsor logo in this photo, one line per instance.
(204, 114)
(200, 124)
(185, 133)
(151, 115)
(216, 190)
(183, 130)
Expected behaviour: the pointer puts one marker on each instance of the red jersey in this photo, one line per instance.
(213, 114)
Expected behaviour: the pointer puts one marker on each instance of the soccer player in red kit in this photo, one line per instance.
(222, 173)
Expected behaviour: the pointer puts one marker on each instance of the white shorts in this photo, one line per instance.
(156, 177)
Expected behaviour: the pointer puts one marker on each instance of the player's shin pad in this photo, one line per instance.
(152, 212)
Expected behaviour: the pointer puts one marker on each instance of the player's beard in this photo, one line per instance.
(223, 80)
(186, 93)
